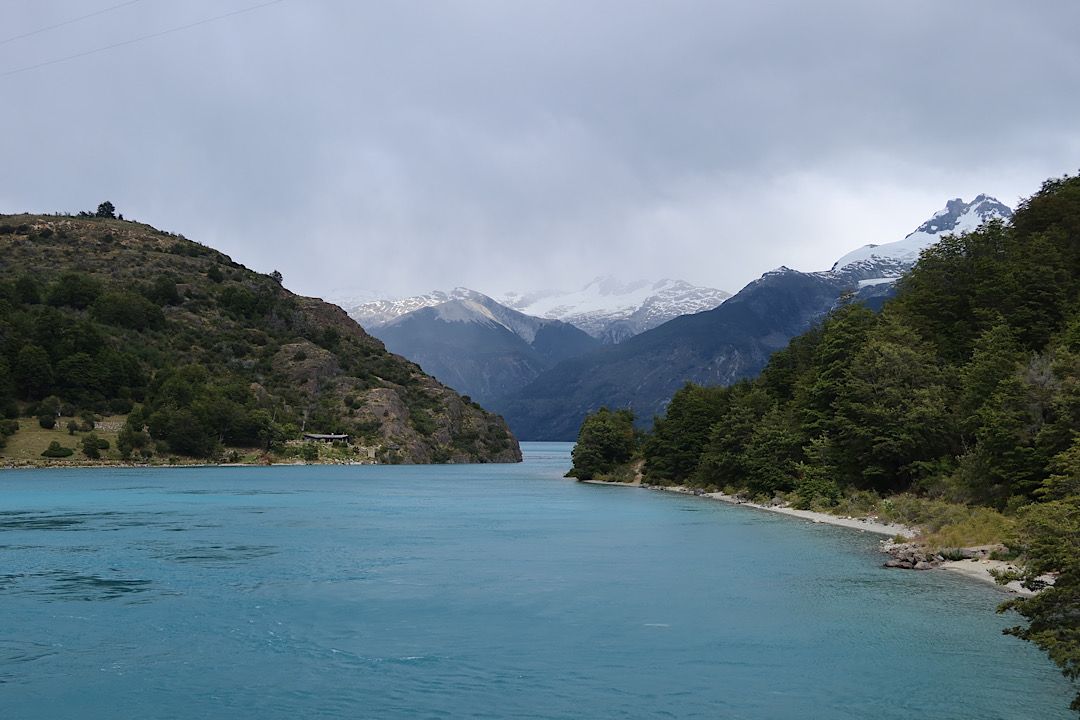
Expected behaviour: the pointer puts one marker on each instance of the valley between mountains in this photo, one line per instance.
(543, 360)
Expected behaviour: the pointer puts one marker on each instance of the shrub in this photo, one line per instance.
(128, 310)
(310, 452)
(422, 422)
(56, 451)
(91, 446)
(75, 290)
(47, 421)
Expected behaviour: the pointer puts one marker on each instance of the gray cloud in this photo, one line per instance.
(400, 147)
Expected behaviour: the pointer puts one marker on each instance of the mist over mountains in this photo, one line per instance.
(545, 359)
(487, 349)
(725, 344)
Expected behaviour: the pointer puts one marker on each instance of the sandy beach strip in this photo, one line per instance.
(977, 569)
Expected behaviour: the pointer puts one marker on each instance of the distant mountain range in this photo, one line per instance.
(611, 311)
(486, 349)
(721, 345)
(544, 359)
(470, 342)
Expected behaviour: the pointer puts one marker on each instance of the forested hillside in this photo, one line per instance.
(103, 316)
(719, 346)
(964, 388)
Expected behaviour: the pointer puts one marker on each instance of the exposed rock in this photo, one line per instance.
(908, 556)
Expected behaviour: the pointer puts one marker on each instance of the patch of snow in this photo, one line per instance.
(955, 218)
(876, 281)
(614, 311)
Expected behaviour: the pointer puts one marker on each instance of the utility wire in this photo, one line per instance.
(68, 22)
(138, 39)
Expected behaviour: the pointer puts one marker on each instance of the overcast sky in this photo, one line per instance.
(391, 148)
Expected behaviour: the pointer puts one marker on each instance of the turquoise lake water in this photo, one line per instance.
(484, 591)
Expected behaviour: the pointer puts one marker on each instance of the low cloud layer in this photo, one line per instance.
(394, 148)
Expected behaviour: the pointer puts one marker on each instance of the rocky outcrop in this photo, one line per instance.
(911, 556)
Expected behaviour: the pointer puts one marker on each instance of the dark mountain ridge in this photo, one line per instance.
(718, 346)
(732, 341)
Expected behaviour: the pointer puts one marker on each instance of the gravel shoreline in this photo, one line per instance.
(976, 569)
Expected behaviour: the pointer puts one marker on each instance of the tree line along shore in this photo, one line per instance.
(954, 410)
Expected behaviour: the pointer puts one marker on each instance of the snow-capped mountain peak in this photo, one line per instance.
(956, 217)
(613, 311)
(374, 313)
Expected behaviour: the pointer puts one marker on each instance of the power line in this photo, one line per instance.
(68, 22)
(138, 39)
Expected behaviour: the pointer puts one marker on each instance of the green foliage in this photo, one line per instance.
(962, 395)
(724, 461)
(75, 290)
(673, 450)
(127, 310)
(194, 340)
(1050, 534)
(183, 432)
(163, 291)
(422, 422)
(56, 451)
(954, 389)
(28, 290)
(92, 446)
(606, 440)
(33, 371)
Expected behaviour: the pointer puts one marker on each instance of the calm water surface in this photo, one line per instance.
(472, 592)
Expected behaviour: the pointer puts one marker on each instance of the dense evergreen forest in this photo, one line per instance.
(962, 392)
(202, 357)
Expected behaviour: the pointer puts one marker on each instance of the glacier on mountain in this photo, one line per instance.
(955, 218)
